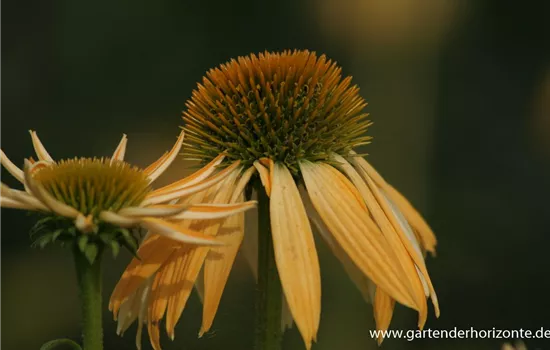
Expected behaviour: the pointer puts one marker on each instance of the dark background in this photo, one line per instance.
(459, 92)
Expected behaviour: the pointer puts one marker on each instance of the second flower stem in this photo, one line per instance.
(269, 292)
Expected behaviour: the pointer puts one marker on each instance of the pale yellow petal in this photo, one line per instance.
(118, 220)
(383, 311)
(220, 259)
(22, 197)
(165, 160)
(161, 196)
(39, 148)
(241, 185)
(130, 309)
(153, 252)
(344, 213)
(183, 285)
(177, 232)
(213, 211)
(11, 168)
(142, 316)
(120, 151)
(295, 253)
(163, 287)
(412, 245)
(362, 282)
(151, 167)
(194, 178)
(219, 262)
(400, 221)
(159, 210)
(427, 236)
(6, 202)
(384, 219)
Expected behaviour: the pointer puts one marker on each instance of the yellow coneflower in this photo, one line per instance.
(96, 195)
(291, 118)
(93, 204)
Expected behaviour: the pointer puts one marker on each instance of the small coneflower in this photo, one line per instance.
(94, 204)
(288, 124)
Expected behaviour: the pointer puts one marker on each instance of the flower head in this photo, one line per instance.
(293, 120)
(95, 201)
(288, 107)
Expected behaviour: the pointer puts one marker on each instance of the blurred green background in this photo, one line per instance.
(459, 92)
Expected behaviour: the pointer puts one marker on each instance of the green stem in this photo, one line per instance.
(269, 292)
(89, 283)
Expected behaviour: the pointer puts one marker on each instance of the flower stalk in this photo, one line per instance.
(269, 292)
(89, 284)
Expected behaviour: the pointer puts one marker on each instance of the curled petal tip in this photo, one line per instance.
(39, 148)
(11, 168)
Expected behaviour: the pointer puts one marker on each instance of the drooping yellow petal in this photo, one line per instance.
(383, 306)
(384, 219)
(218, 266)
(153, 252)
(162, 196)
(163, 288)
(410, 241)
(11, 168)
(130, 309)
(361, 281)
(343, 212)
(164, 162)
(427, 236)
(387, 196)
(142, 316)
(295, 253)
(220, 193)
(120, 151)
(39, 148)
(219, 260)
(183, 285)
